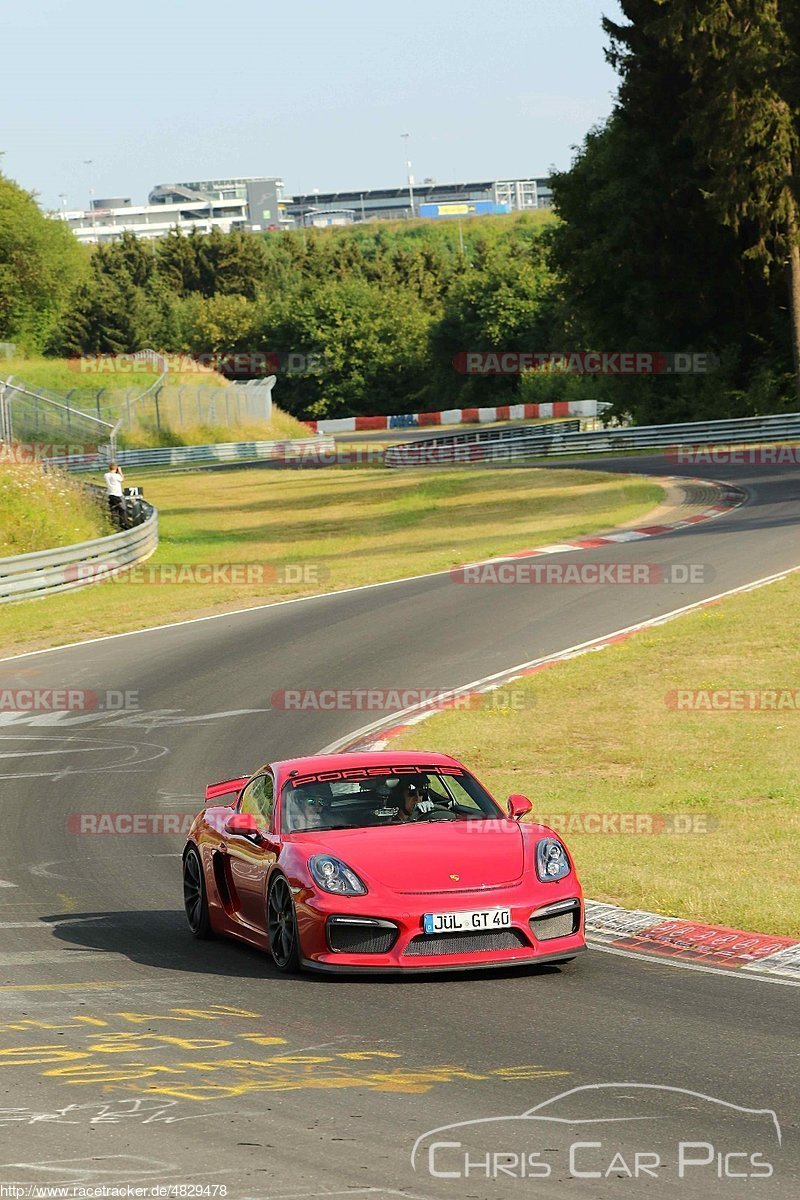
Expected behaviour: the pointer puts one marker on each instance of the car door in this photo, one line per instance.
(249, 858)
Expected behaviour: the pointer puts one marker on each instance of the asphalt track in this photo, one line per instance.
(131, 1054)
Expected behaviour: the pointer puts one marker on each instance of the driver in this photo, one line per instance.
(307, 811)
(413, 799)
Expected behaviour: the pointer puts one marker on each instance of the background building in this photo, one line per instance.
(260, 198)
(257, 203)
(248, 203)
(395, 203)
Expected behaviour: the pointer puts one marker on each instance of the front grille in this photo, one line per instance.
(361, 938)
(465, 943)
(556, 925)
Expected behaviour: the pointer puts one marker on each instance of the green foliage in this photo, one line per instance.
(743, 100)
(40, 509)
(40, 264)
(382, 308)
(645, 260)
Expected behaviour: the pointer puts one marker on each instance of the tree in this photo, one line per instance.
(743, 101)
(177, 261)
(130, 259)
(643, 261)
(503, 303)
(40, 264)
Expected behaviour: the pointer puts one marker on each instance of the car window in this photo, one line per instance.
(317, 802)
(459, 793)
(258, 799)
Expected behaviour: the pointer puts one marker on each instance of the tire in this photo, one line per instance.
(195, 898)
(284, 943)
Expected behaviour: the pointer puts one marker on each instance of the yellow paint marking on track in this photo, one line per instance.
(405, 1082)
(214, 1013)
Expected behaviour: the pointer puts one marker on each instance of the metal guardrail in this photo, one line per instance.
(44, 572)
(220, 452)
(509, 433)
(480, 445)
(533, 443)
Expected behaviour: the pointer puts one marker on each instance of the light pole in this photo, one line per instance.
(405, 137)
(87, 162)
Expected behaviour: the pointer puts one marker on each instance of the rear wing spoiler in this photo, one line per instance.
(227, 787)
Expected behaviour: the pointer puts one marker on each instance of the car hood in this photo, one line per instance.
(430, 856)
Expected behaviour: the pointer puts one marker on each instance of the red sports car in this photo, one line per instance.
(376, 861)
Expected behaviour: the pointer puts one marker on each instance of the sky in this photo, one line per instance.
(115, 98)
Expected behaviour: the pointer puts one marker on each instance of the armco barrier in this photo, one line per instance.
(43, 572)
(535, 441)
(463, 416)
(480, 445)
(186, 455)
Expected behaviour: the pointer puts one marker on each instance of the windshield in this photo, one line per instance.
(360, 797)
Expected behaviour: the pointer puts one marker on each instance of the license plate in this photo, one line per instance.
(456, 922)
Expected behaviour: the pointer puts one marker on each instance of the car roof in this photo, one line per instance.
(364, 758)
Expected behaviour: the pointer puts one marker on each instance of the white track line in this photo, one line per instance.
(485, 682)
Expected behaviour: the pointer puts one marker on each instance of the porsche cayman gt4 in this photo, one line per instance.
(379, 861)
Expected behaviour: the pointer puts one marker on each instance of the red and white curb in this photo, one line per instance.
(728, 497)
(709, 945)
(460, 416)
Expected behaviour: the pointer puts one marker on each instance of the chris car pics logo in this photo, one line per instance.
(611, 1131)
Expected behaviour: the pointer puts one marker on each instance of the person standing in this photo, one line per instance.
(116, 500)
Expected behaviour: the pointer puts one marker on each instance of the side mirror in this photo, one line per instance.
(243, 824)
(518, 806)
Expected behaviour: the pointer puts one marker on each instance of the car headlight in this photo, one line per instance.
(551, 860)
(332, 875)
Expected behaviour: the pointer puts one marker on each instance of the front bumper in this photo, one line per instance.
(528, 940)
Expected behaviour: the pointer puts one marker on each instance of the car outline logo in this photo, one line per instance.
(535, 1114)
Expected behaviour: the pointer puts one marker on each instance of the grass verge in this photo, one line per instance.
(281, 427)
(601, 734)
(64, 375)
(39, 511)
(325, 530)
